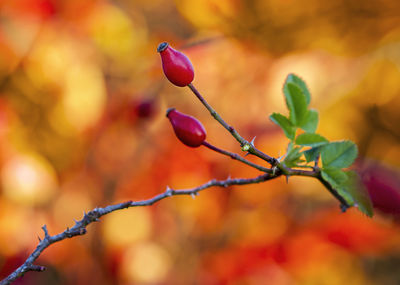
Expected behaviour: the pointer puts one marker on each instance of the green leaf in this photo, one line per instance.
(310, 139)
(312, 153)
(296, 103)
(293, 156)
(357, 190)
(285, 125)
(299, 82)
(348, 185)
(310, 121)
(337, 179)
(339, 154)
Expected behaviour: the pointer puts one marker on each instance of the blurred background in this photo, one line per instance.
(82, 124)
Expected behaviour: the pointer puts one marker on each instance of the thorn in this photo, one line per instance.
(280, 158)
(343, 208)
(252, 141)
(193, 196)
(274, 170)
(82, 231)
(287, 179)
(246, 154)
(168, 191)
(39, 239)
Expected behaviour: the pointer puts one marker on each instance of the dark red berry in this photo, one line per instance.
(145, 108)
(188, 129)
(383, 185)
(176, 66)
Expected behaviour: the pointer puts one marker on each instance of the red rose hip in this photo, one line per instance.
(176, 66)
(188, 129)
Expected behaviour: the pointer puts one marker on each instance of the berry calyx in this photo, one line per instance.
(188, 129)
(176, 66)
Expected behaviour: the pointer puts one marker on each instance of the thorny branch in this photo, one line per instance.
(94, 215)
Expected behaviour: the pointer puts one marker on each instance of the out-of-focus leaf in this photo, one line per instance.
(337, 179)
(356, 189)
(338, 154)
(285, 124)
(348, 184)
(311, 121)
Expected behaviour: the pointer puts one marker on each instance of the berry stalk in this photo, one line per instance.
(247, 146)
(237, 157)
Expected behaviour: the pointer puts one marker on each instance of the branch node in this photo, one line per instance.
(69, 233)
(246, 147)
(127, 204)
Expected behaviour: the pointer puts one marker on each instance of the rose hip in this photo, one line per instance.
(176, 66)
(188, 129)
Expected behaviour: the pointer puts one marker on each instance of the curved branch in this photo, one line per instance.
(94, 215)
